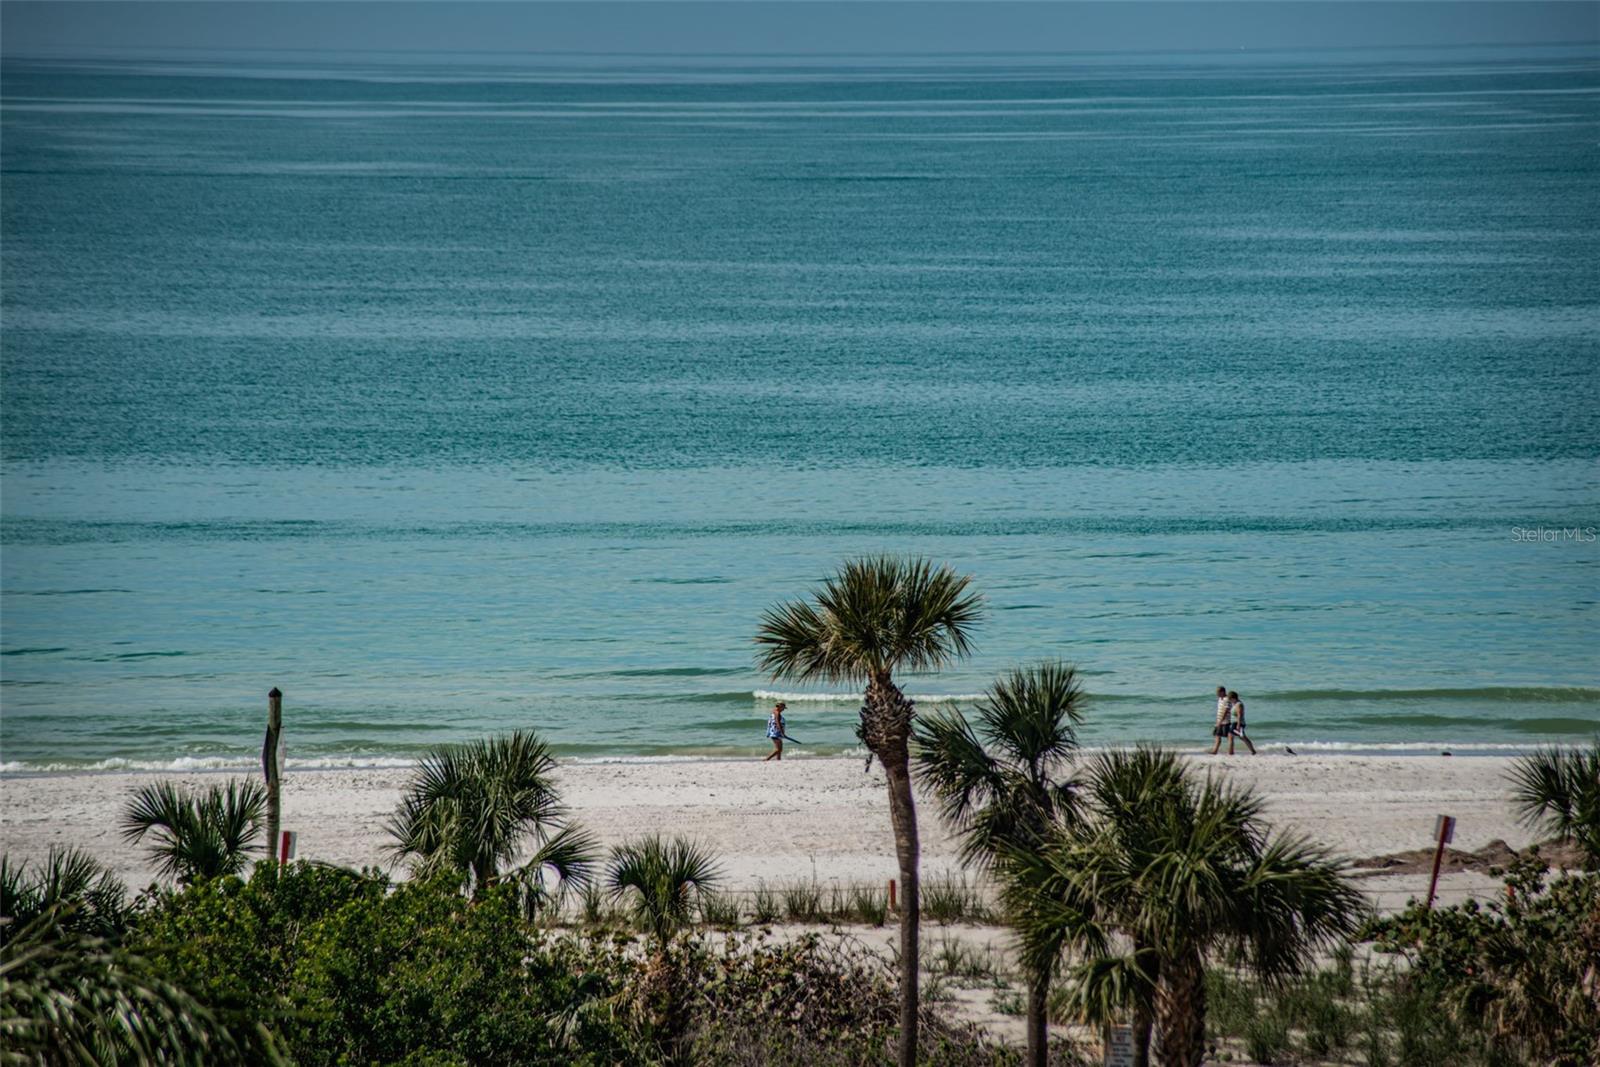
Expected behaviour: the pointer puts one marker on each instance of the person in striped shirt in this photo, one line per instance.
(1224, 727)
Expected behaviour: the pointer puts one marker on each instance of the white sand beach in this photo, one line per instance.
(783, 822)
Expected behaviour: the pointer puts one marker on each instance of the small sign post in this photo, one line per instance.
(1444, 828)
(1119, 1051)
(287, 839)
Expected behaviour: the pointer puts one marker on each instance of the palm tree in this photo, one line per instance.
(999, 784)
(78, 890)
(1557, 790)
(665, 879)
(1162, 871)
(471, 809)
(204, 835)
(874, 617)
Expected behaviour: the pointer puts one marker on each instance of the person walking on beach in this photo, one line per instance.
(775, 728)
(1224, 727)
(1238, 724)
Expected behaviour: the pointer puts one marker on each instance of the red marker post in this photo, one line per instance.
(1444, 828)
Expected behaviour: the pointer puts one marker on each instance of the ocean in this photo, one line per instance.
(454, 395)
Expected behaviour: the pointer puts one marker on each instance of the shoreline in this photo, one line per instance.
(320, 765)
(816, 818)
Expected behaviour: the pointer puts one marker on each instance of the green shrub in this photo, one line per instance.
(422, 971)
(949, 900)
(870, 906)
(720, 910)
(346, 968)
(595, 906)
(1230, 1003)
(1503, 980)
(1008, 1001)
(802, 902)
(764, 908)
(814, 1002)
(1266, 1038)
(235, 943)
(73, 998)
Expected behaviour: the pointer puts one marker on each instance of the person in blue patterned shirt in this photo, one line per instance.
(775, 728)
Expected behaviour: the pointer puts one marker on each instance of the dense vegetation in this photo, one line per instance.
(1137, 891)
(649, 964)
(321, 965)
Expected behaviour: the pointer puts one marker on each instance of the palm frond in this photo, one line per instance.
(80, 894)
(952, 762)
(1557, 790)
(665, 879)
(1102, 989)
(470, 809)
(875, 616)
(1290, 903)
(1032, 714)
(796, 643)
(73, 999)
(203, 835)
(1053, 902)
(571, 855)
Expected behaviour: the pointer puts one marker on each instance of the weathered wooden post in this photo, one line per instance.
(1445, 829)
(272, 766)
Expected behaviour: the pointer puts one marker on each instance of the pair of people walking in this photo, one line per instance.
(1230, 721)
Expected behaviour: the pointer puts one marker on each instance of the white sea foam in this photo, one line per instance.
(855, 698)
(242, 763)
(1418, 747)
(707, 757)
(207, 763)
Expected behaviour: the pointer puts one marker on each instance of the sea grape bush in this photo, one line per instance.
(345, 967)
(331, 966)
(1522, 973)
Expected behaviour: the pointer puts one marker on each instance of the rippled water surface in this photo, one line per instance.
(459, 399)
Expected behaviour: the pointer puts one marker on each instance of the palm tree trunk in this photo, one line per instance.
(1181, 1013)
(482, 878)
(886, 728)
(1038, 1030)
(1143, 1015)
(1142, 1023)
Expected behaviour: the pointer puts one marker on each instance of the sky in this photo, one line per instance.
(665, 27)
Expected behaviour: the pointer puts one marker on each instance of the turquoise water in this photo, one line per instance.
(452, 399)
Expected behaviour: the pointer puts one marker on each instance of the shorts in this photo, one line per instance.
(1224, 729)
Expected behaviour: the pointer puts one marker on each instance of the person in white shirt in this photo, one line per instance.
(1238, 724)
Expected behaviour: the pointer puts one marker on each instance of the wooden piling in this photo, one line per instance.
(270, 767)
